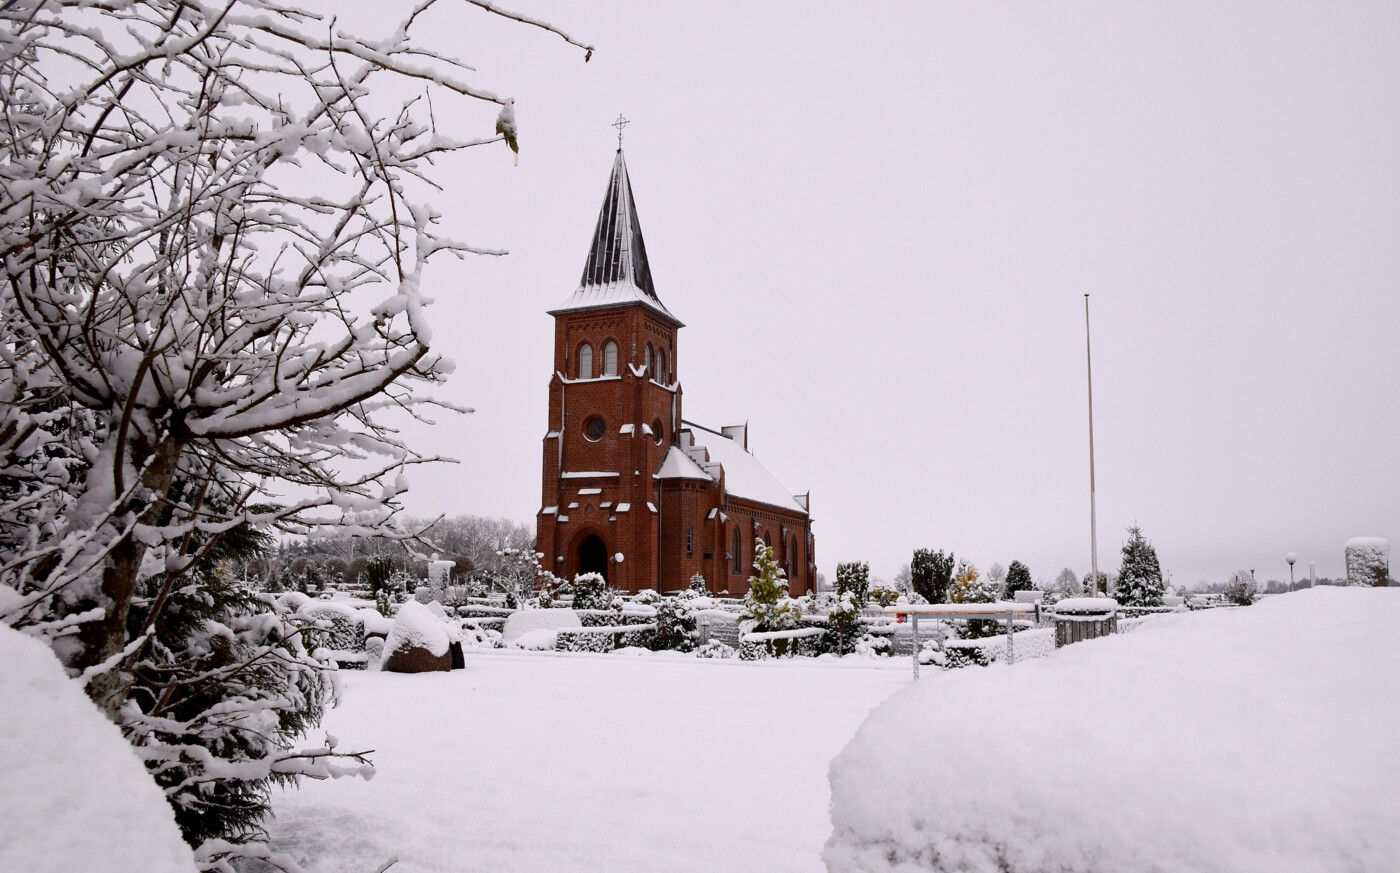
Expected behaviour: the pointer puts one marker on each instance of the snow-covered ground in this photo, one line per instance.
(1255, 739)
(542, 762)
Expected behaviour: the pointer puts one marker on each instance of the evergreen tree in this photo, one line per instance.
(1140, 576)
(843, 622)
(931, 573)
(767, 606)
(697, 584)
(1018, 578)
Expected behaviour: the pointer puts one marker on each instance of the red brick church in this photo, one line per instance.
(631, 489)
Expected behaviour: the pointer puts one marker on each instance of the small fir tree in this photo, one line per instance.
(697, 584)
(767, 606)
(1241, 590)
(1140, 577)
(675, 625)
(843, 622)
(931, 573)
(1018, 578)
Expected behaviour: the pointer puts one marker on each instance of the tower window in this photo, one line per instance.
(661, 372)
(689, 541)
(594, 429)
(585, 361)
(734, 565)
(610, 359)
(656, 432)
(648, 368)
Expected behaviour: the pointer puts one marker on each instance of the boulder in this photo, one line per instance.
(418, 642)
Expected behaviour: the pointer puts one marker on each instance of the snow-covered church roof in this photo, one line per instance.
(744, 476)
(617, 271)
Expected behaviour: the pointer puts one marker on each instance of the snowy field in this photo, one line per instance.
(542, 762)
(1230, 741)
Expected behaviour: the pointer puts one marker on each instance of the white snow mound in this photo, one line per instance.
(1260, 738)
(415, 625)
(75, 796)
(520, 623)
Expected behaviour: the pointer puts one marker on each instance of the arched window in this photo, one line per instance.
(585, 361)
(647, 369)
(610, 359)
(661, 373)
(734, 564)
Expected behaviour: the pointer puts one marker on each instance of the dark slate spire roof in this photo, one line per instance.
(617, 270)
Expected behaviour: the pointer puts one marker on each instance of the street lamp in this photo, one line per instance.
(1291, 558)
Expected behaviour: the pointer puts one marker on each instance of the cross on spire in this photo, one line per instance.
(620, 124)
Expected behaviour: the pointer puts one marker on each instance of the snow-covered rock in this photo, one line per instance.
(73, 794)
(518, 624)
(418, 642)
(1216, 741)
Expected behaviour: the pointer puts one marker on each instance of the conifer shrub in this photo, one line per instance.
(1140, 576)
(697, 584)
(591, 592)
(767, 606)
(931, 574)
(1018, 578)
(675, 625)
(843, 622)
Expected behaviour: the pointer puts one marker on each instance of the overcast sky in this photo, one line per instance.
(878, 222)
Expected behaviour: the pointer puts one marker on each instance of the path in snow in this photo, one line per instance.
(542, 762)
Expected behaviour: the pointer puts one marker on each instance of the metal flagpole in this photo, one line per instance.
(1093, 511)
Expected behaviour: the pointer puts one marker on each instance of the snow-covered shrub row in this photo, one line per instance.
(603, 639)
(528, 620)
(981, 652)
(598, 617)
(803, 642)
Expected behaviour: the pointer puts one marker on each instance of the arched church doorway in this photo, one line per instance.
(593, 556)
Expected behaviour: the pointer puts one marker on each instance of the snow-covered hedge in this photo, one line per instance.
(1368, 561)
(526, 620)
(603, 639)
(339, 634)
(1260, 743)
(980, 653)
(805, 642)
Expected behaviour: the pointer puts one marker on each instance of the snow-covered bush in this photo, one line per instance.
(803, 642)
(697, 585)
(969, 587)
(647, 597)
(676, 625)
(1368, 561)
(843, 620)
(603, 639)
(715, 649)
(872, 646)
(591, 591)
(1241, 590)
(767, 606)
(343, 638)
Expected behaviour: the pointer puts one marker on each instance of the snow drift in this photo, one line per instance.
(75, 796)
(1259, 738)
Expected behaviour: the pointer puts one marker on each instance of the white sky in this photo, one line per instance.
(878, 224)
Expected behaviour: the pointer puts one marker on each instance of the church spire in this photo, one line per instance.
(618, 254)
(617, 270)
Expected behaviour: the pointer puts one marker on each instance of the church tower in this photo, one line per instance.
(614, 408)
